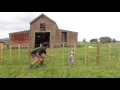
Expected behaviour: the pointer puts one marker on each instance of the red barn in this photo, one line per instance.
(43, 29)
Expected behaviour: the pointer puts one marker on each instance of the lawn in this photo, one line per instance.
(57, 67)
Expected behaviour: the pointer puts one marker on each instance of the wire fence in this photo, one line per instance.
(87, 53)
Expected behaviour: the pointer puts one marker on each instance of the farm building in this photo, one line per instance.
(43, 29)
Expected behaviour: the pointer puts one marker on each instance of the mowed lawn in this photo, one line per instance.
(57, 67)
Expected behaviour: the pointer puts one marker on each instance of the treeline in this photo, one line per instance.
(102, 40)
(5, 40)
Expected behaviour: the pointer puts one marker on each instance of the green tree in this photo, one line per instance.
(94, 40)
(113, 40)
(105, 40)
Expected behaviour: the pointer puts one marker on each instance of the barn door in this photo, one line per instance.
(63, 36)
(41, 37)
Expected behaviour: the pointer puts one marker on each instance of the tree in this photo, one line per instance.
(94, 40)
(105, 40)
(113, 40)
(84, 40)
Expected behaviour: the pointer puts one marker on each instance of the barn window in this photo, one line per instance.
(42, 26)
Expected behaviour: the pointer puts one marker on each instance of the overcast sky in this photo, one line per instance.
(89, 25)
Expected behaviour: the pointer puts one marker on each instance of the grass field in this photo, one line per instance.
(56, 66)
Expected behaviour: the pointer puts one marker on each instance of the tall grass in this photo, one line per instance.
(56, 68)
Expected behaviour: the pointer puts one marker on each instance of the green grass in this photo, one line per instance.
(56, 68)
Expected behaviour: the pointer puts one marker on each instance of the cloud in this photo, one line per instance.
(89, 25)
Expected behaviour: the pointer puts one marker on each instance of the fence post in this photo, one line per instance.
(119, 52)
(109, 52)
(28, 53)
(63, 53)
(97, 53)
(40, 44)
(19, 53)
(74, 52)
(52, 52)
(10, 53)
(1, 49)
(85, 53)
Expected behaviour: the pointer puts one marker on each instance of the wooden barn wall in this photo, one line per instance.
(21, 38)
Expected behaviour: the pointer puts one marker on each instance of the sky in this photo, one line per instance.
(89, 25)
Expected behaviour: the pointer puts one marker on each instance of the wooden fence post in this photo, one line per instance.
(85, 53)
(74, 52)
(63, 53)
(10, 53)
(109, 52)
(28, 53)
(52, 52)
(19, 53)
(1, 50)
(97, 53)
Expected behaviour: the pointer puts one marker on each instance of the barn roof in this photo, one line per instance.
(66, 30)
(44, 16)
(20, 31)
